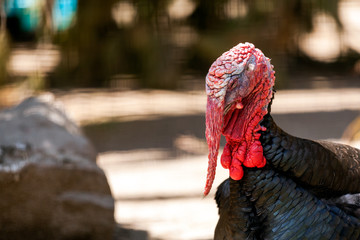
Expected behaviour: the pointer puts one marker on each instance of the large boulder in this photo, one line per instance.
(50, 185)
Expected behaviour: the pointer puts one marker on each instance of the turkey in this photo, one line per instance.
(280, 186)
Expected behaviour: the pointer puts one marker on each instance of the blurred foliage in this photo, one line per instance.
(4, 56)
(161, 41)
(4, 45)
(88, 47)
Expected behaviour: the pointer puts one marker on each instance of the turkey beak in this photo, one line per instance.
(214, 118)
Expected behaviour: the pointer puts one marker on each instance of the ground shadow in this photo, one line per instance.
(161, 132)
(126, 233)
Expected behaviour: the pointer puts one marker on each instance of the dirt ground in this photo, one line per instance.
(151, 146)
(152, 149)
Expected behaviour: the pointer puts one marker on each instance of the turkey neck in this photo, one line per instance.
(328, 169)
(243, 212)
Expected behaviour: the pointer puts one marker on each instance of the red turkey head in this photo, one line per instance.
(239, 89)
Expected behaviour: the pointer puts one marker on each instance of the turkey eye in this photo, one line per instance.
(250, 67)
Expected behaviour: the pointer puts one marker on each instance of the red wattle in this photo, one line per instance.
(226, 157)
(236, 173)
(242, 132)
(237, 155)
(240, 152)
(255, 157)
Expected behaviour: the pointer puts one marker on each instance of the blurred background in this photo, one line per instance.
(131, 74)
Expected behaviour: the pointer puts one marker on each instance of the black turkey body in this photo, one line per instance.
(306, 191)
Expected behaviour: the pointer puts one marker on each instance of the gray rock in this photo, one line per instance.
(50, 185)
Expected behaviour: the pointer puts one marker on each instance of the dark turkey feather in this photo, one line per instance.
(327, 169)
(298, 195)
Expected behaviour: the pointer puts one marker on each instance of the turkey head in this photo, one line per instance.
(239, 89)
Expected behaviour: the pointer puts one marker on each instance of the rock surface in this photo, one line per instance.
(50, 185)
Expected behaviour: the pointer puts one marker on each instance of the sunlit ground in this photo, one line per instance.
(160, 189)
(165, 197)
(152, 148)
